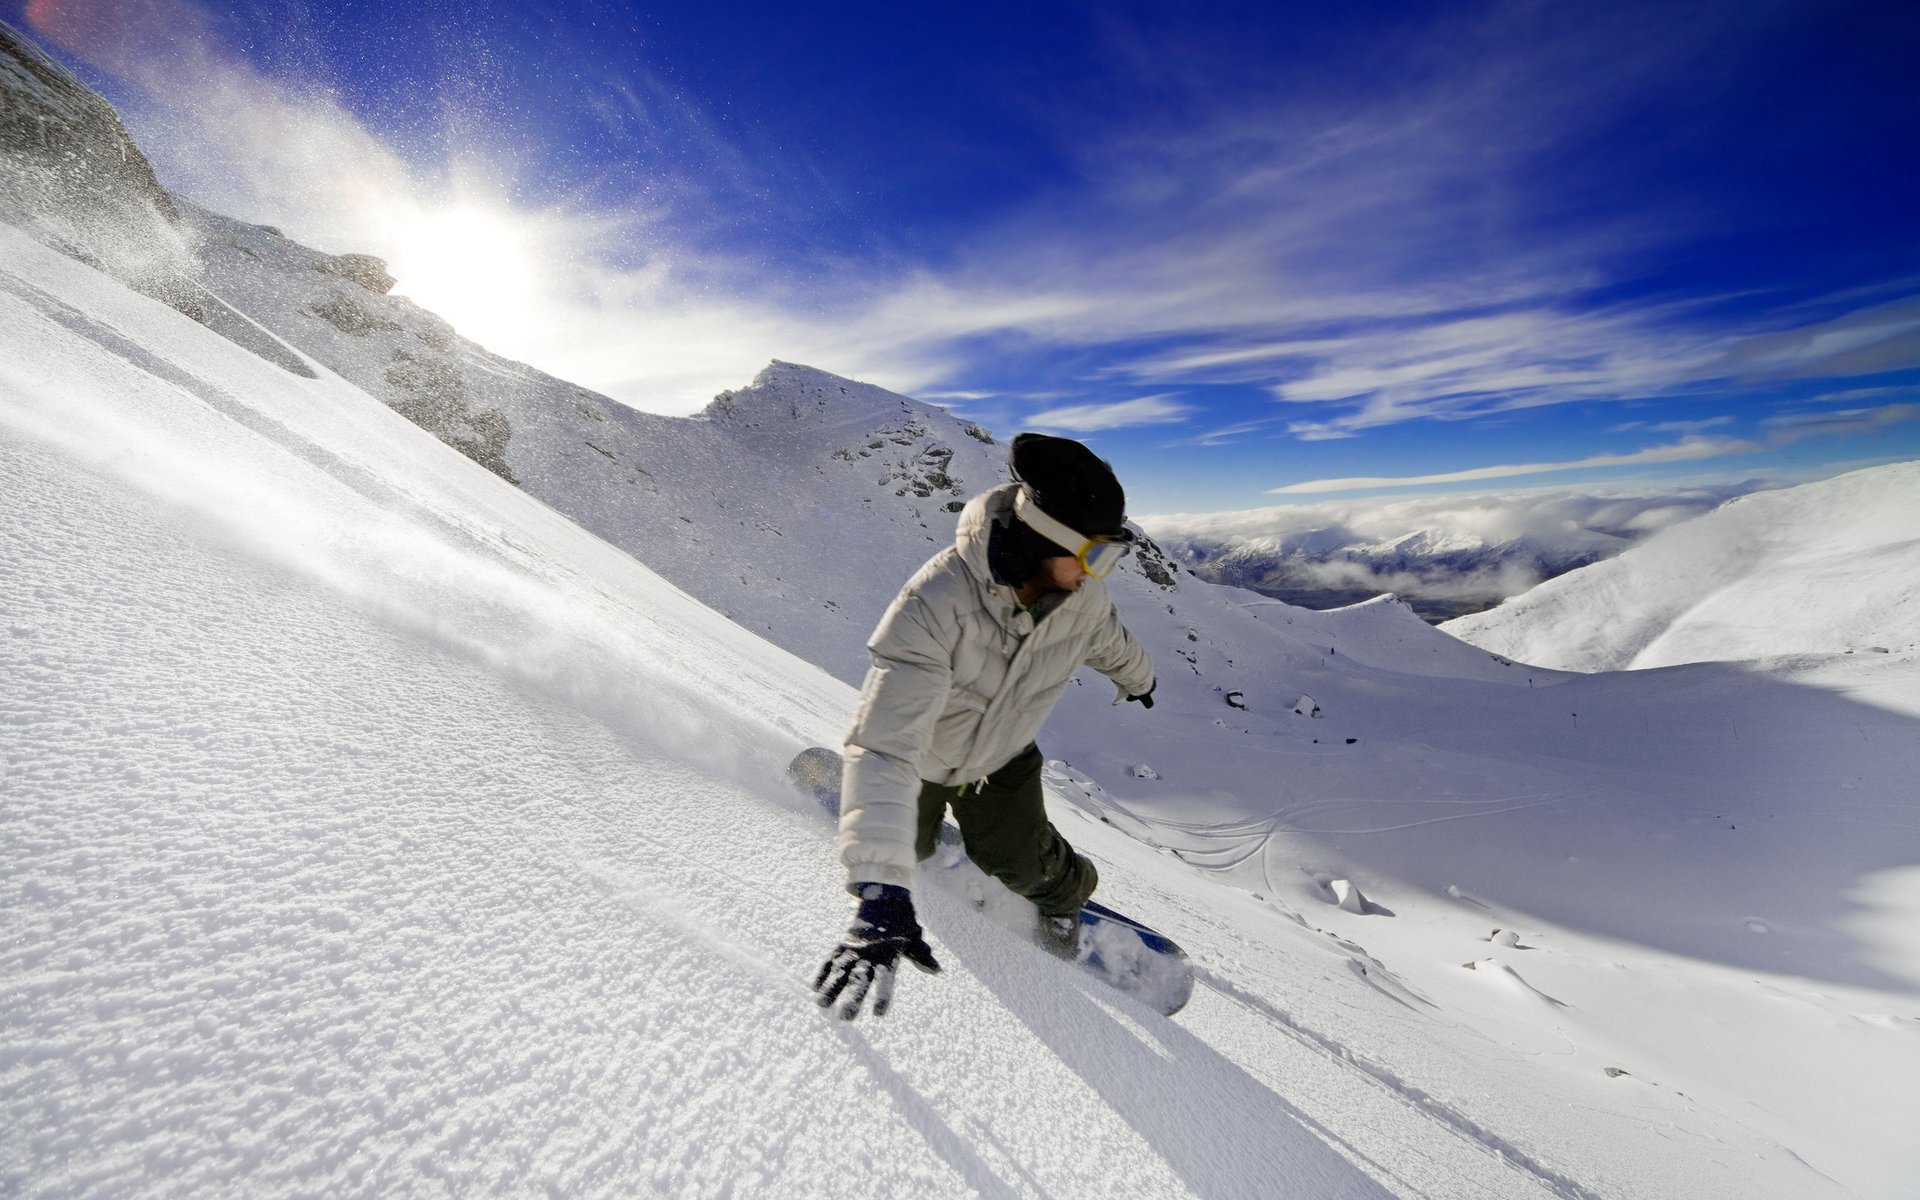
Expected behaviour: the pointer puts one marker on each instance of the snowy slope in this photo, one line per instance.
(1819, 571)
(376, 826)
(707, 500)
(372, 830)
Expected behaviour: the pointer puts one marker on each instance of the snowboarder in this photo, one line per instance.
(967, 663)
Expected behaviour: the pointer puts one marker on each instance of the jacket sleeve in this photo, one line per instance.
(904, 694)
(1116, 654)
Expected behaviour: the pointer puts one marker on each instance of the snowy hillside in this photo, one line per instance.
(1814, 573)
(707, 501)
(381, 820)
(375, 829)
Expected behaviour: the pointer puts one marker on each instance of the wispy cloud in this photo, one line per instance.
(1227, 435)
(1882, 337)
(1792, 427)
(1700, 426)
(1488, 518)
(1686, 450)
(1782, 431)
(1090, 418)
(1403, 253)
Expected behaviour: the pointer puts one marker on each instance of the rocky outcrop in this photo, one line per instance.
(351, 318)
(364, 269)
(71, 176)
(1154, 563)
(61, 137)
(433, 395)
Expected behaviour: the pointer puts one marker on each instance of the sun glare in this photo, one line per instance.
(474, 268)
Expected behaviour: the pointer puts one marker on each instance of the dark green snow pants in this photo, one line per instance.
(1007, 834)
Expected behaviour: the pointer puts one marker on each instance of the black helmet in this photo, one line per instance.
(1070, 483)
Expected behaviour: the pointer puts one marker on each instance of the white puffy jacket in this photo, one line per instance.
(962, 680)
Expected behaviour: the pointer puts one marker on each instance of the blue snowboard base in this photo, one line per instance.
(1129, 956)
(1142, 962)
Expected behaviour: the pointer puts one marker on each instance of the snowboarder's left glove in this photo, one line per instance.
(1146, 698)
(883, 930)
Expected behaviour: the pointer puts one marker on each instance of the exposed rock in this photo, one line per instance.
(433, 396)
(85, 159)
(1153, 561)
(346, 316)
(364, 269)
(72, 177)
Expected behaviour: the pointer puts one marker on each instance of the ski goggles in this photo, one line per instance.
(1098, 555)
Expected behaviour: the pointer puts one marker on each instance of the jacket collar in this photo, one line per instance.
(975, 528)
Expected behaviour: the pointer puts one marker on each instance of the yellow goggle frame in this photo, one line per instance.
(1098, 556)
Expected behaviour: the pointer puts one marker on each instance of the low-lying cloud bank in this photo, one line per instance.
(1445, 555)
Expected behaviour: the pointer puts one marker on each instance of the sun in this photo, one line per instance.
(474, 267)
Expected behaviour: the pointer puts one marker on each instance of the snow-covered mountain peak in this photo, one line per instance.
(785, 395)
(802, 413)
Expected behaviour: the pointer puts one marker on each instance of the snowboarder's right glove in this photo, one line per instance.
(1145, 699)
(883, 929)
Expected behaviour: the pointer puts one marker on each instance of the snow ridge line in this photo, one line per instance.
(1436, 1110)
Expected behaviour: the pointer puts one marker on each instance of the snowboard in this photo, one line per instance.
(1131, 957)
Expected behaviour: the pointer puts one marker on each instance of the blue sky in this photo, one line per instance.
(1239, 248)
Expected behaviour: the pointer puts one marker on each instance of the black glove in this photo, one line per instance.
(883, 929)
(1145, 698)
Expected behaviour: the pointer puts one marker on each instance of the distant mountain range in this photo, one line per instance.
(1446, 556)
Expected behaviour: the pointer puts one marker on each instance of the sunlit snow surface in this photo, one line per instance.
(1801, 579)
(371, 829)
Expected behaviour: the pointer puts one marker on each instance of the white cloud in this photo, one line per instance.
(1090, 418)
(1226, 435)
(1700, 426)
(1690, 449)
(1783, 430)
(1882, 337)
(1792, 427)
(1478, 546)
(1567, 516)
